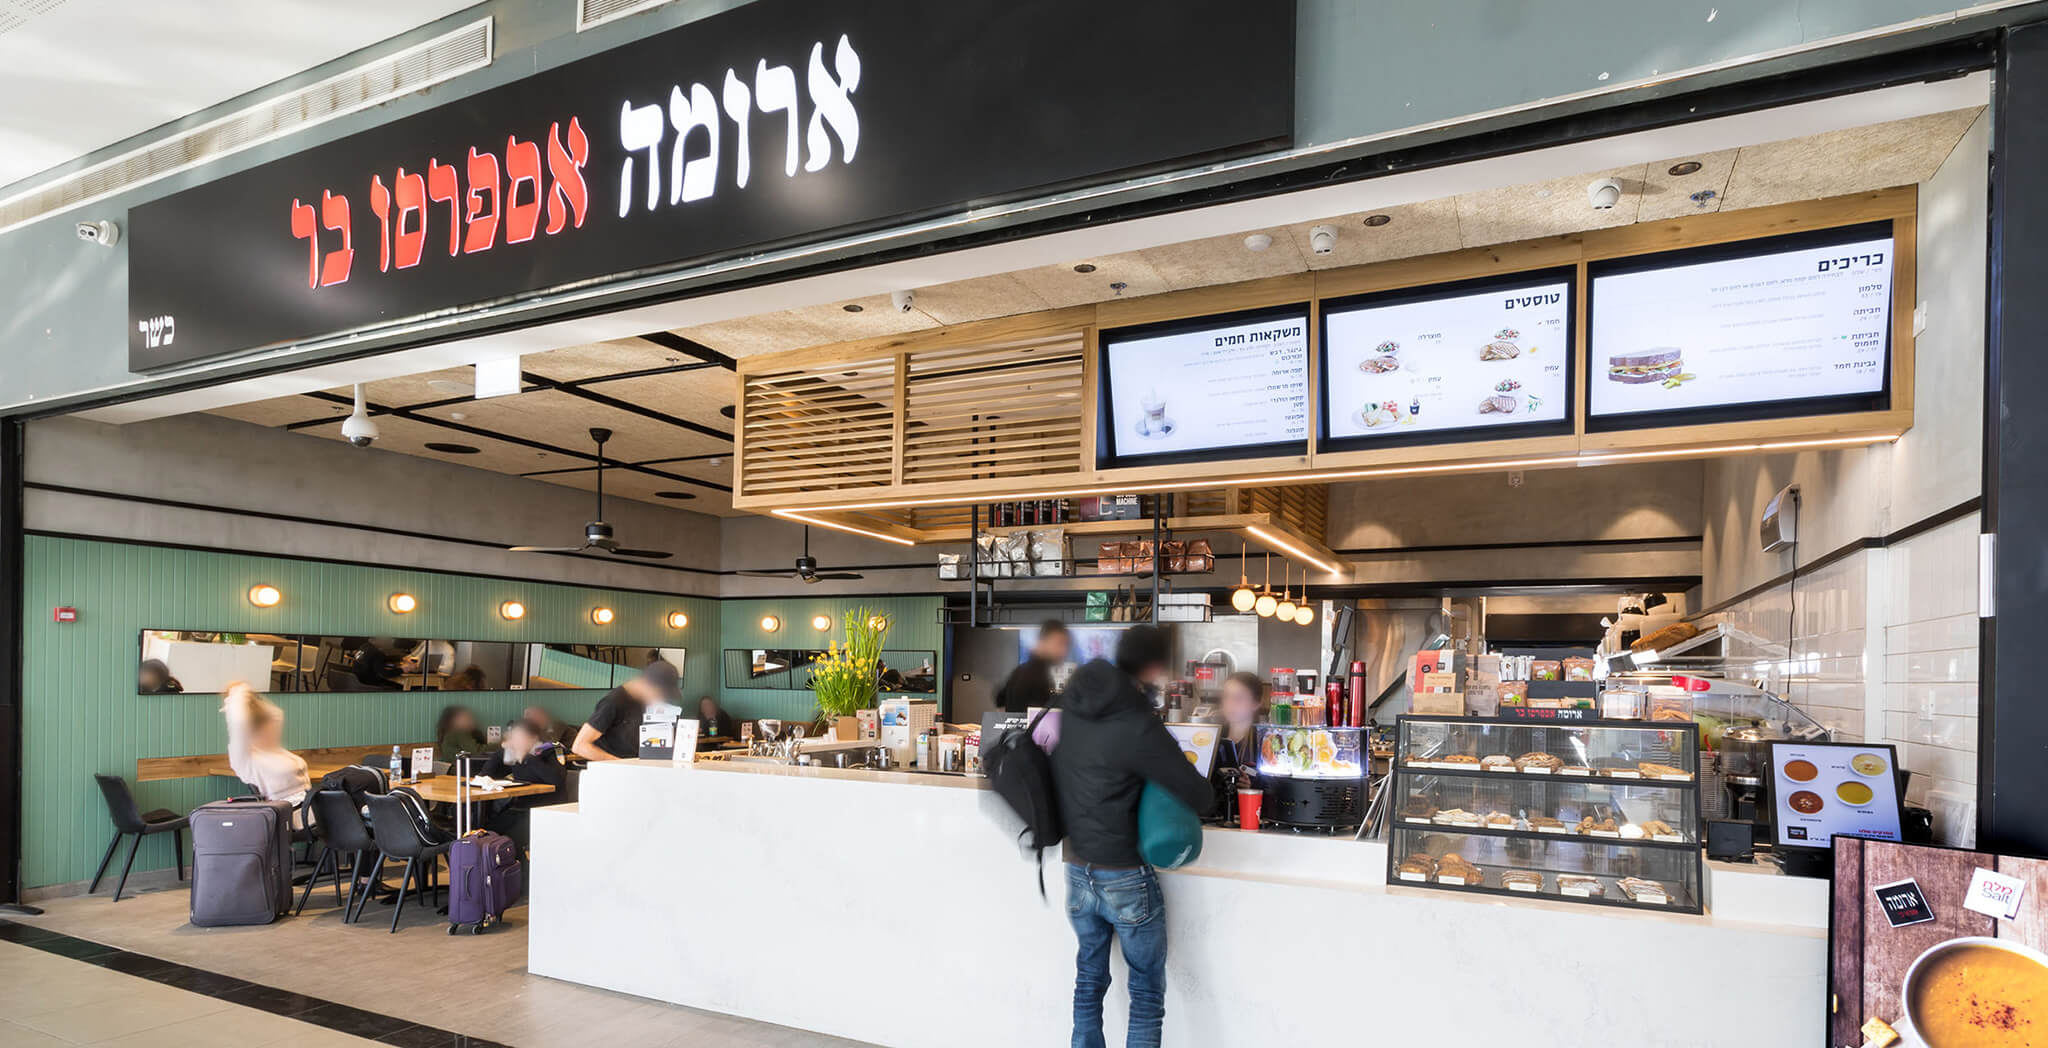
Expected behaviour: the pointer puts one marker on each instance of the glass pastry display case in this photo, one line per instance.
(1602, 812)
(1313, 777)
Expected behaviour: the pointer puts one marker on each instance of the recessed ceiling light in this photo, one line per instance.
(458, 415)
(852, 307)
(450, 449)
(849, 374)
(1085, 267)
(449, 385)
(1118, 286)
(1542, 194)
(726, 411)
(1684, 167)
(1256, 242)
(1378, 220)
(679, 496)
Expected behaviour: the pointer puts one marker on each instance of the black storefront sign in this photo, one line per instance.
(772, 124)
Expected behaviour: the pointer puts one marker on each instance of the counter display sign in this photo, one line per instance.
(773, 124)
(1914, 962)
(1792, 325)
(1228, 386)
(1822, 789)
(1465, 361)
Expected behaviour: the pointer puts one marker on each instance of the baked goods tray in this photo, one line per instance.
(1611, 893)
(1567, 837)
(1476, 772)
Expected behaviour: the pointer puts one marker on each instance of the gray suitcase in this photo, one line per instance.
(241, 862)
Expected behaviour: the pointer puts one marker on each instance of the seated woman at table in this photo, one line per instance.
(713, 722)
(455, 732)
(525, 756)
(551, 729)
(256, 746)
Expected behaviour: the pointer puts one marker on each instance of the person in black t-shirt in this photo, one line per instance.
(613, 730)
(1030, 684)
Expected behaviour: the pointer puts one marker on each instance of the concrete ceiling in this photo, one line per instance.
(80, 75)
(670, 427)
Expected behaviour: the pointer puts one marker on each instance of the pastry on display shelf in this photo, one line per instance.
(1661, 771)
(1456, 817)
(1640, 890)
(1497, 762)
(1457, 758)
(1453, 869)
(1658, 828)
(1521, 880)
(1590, 824)
(1538, 762)
(1500, 820)
(1578, 884)
(1418, 865)
(1545, 824)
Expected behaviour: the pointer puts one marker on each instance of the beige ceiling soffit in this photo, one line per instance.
(593, 13)
(402, 73)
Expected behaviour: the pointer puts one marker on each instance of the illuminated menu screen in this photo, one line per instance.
(1821, 789)
(1228, 386)
(1787, 326)
(1451, 362)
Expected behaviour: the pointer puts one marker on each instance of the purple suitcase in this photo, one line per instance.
(241, 862)
(485, 876)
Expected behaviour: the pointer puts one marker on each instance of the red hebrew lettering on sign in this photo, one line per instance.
(305, 226)
(483, 221)
(380, 205)
(442, 185)
(412, 198)
(334, 215)
(522, 165)
(569, 194)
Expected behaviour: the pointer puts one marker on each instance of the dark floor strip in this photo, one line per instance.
(344, 1018)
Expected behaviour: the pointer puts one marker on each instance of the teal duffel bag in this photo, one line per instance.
(1169, 832)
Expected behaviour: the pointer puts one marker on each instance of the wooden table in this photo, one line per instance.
(442, 788)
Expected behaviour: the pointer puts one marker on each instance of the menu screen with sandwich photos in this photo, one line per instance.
(1792, 325)
(1231, 385)
(1936, 947)
(1465, 361)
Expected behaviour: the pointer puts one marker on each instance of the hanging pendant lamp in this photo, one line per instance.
(1242, 598)
(1285, 611)
(1267, 603)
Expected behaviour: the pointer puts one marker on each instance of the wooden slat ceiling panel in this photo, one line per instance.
(823, 429)
(1005, 410)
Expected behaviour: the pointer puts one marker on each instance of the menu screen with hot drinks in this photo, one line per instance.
(1792, 325)
(1450, 362)
(1227, 386)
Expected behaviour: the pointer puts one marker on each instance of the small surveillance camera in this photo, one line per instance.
(1322, 239)
(1604, 193)
(103, 232)
(902, 300)
(360, 430)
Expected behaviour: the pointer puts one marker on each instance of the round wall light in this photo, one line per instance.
(601, 616)
(677, 620)
(402, 603)
(770, 624)
(878, 622)
(265, 595)
(821, 623)
(512, 610)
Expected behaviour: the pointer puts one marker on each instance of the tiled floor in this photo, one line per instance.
(52, 1001)
(420, 986)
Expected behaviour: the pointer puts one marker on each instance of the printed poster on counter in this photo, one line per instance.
(1225, 386)
(1823, 789)
(1729, 328)
(1468, 358)
(1909, 955)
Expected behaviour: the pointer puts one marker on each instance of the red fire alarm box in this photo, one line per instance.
(64, 615)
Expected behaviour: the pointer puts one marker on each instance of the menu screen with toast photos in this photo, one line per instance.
(1232, 385)
(1936, 947)
(1472, 360)
(1784, 326)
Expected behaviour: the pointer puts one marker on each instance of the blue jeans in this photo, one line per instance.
(1125, 905)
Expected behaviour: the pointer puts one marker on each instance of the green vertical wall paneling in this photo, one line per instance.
(81, 714)
(913, 625)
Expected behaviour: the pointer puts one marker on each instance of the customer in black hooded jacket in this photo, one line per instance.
(1110, 745)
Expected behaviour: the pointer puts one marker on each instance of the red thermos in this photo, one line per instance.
(1354, 716)
(1333, 703)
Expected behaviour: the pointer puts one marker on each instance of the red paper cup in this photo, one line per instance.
(1248, 808)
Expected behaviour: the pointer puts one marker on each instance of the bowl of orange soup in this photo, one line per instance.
(1978, 992)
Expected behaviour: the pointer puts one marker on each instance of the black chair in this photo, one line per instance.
(128, 821)
(400, 837)
(341, 829)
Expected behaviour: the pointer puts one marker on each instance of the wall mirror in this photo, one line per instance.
(202, 661)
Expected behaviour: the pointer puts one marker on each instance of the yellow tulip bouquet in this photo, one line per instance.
(845, 678)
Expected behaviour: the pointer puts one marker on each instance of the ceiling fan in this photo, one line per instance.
(806, 567)
(597, 534)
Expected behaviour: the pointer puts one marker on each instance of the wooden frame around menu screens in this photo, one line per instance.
(1074, 468)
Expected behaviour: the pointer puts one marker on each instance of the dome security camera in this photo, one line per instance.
(1603, 193)
(902, 300)
(103, 232)
(358, 428)
(1322, 239)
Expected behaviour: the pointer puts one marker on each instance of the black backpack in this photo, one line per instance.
(1021, 774)
(357, 780)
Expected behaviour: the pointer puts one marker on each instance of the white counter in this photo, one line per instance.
(891, 908)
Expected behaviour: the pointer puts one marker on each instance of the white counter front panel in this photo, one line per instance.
(897, 912)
